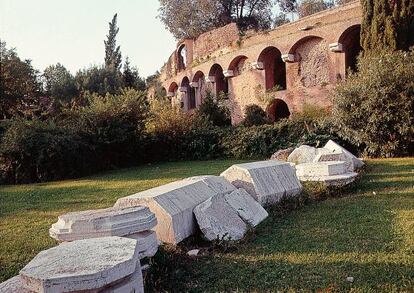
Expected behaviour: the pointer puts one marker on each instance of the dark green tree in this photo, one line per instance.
(100, 80)
(131, 77)
(113, 57)
(387, 25)
(59, 83)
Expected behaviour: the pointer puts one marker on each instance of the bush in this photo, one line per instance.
(33, 151)
(214, 110)
(254, 116)
(374, 108)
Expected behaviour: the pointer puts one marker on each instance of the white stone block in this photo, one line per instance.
(336, 47)
(258, 65)
(246, 207)
(288, 58)
(321, 169)
(228, 73)
(194, 84)
(303, 154)
(333, 180)
(170, 94)
(91, 264)
(14, 285)
(266, 181)
(334, 147)
(173, 204)
(326, 156)
(147, 243)
(218, 220)
(101, 223)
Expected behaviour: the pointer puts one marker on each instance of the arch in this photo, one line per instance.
(350, 40)
(163, 92)
(173, 87)
(237, 64)
(301, 41)
(277, 110)
(188, 95)
(217, 76)
(182, 57)
(199, 85)
(274, 68)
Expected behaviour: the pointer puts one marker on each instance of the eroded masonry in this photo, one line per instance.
(281, 70)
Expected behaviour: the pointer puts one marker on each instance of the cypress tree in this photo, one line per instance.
(387, 25)
(113, 57)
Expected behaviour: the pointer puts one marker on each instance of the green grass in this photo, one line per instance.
(363, 235)
(27, 211)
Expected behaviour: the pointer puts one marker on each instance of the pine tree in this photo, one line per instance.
(131, 78)
(387, 25)
(113, 57)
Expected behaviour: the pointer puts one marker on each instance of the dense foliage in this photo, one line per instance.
(374, 108)
(387, 25)
(254, 115)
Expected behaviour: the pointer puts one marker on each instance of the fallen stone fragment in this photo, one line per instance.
(13, 285)
(101, 223)
(218, 220)
(330, 173)
(108, 264)
(327, 156)
(147, 243)
(334, 147)
(246, 207)
(303, 154)
(266, 181)
(282, 155)
(173, 204)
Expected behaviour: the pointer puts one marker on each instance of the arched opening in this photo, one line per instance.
(311, 53)
(188, 94)
(172, 89)
(351, 46)
(182, 58)
(220, 82)
(274, 67)
(277, 110)
(237, 65)
(199, 85)
(163, 92)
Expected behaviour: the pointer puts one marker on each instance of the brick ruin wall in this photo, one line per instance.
(310, 75)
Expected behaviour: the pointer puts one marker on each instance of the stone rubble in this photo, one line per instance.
(282, 155)
(107, 264)
(173, 204)
(334, 147)
(266, 181)
(228, 216)
(303, 154)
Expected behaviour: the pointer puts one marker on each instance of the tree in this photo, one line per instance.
(374, 107)
(190, 18)
(113, 57)
(59, 83)
(281, 19)
(387, 25)
(309, 7)
(19, 82)
(131, 78)
(100, 80)
(287, 6)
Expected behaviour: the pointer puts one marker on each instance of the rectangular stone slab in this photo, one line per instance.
(14, 285)
(266, 181)
(101, 223)
(328, 168)
(173, 204)
(334, 147)
(247, 208)
(147, 243)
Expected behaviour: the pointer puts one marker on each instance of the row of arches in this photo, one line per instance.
(273, 63)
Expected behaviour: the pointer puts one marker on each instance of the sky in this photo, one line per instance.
(72, 32)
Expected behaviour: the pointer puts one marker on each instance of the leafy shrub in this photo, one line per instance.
(374, 108)
(37, 150)
(254, 116)
(214, 110)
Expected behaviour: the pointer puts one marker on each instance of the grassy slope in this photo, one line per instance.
(367, 236)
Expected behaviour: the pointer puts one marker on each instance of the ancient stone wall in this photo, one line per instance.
(311, 57)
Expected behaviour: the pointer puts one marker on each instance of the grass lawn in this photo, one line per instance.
(368, 234)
